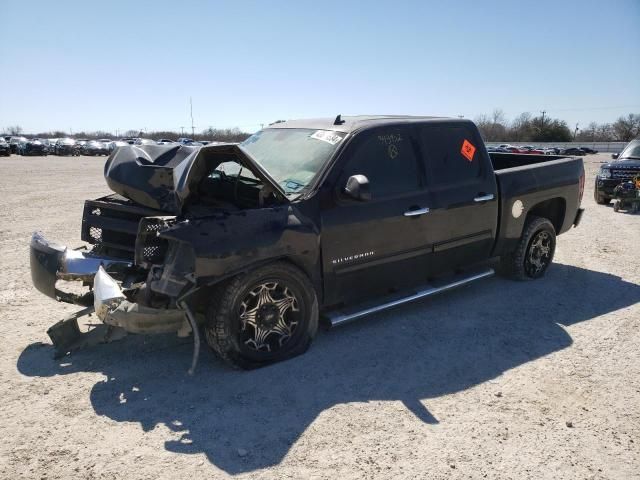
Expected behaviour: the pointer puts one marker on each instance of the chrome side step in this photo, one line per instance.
(340, 317)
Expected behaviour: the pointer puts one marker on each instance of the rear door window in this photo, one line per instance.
(452, 154)
(387, 157)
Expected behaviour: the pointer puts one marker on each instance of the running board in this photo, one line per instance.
(340, 317)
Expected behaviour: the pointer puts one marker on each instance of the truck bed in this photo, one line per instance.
(546, 185)
(501, 161)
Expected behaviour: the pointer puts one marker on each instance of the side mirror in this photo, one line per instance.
(614, 155)
(357, 188)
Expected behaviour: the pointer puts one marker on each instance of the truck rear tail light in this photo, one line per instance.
(581, 190)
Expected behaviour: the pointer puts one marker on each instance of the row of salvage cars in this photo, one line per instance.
(73, 147)
(533, 150)
(55, 146)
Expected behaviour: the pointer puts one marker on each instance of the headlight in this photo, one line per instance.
(604, 173)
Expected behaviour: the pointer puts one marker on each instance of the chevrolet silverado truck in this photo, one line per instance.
(625, 167)
(307, 221)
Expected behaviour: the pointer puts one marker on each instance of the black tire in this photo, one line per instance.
(616, 206)
(602, 200)
(242, 343)
(534, 252)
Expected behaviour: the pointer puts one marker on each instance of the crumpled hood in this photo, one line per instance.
(162, 177)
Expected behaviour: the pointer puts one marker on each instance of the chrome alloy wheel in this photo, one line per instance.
(269, 315)
(539, 255)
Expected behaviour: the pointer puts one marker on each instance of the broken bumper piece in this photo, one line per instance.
(112, 307)
(51, 262)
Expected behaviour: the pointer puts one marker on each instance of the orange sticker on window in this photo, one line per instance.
(468, 150)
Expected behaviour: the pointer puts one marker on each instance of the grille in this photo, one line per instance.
(627, 173)
(112, 223)
(151, 249)
(96, 234)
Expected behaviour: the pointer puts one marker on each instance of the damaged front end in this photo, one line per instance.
(152, 247)
(113, 288)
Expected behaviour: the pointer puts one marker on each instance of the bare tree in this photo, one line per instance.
(521, 126)
(15, 130)
(627, 128)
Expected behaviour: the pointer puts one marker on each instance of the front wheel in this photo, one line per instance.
(263, 317)
(602, 200)
(534, 252)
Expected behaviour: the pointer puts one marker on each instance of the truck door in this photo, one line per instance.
(379, 245)
(463, 213)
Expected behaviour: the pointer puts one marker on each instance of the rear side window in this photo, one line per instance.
(386, 156)
(452, 154)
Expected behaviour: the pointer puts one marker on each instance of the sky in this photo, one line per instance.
(79, 65)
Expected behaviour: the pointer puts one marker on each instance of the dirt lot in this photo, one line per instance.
(498, 380)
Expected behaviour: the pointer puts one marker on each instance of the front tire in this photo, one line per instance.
(534, 252)
(263, 317)
(602, 200)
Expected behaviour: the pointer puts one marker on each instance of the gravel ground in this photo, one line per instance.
(499, 379)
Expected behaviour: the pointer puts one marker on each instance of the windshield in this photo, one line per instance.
(632, 151)
(292, 156)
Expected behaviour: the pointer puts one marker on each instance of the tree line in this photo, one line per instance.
(494, 128)
(528, 128)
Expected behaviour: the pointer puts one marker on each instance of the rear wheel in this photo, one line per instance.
(534, 252)
(263, 317)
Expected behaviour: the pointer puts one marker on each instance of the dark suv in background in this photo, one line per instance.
(5, 149)
(625, 166)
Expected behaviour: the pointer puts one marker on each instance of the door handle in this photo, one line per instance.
(483, 198)
(415, 213)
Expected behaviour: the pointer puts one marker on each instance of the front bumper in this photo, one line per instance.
(51, 262)
(604, 186)
(113, 308)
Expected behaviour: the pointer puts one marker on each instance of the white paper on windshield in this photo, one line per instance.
(327, 136)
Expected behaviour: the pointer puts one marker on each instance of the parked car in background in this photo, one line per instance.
(94, 147)
(32, 147)
(512, 149)
(49, 143)
(66, 146)
(588, 150)
(625, 166)
(573, 151)
(112, 145)
(14, 141)
(130, 140)
(185, 140)
(165, 141)
(5, 149)
(531, 150)
(145, 141)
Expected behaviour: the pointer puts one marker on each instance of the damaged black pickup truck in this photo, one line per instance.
(306, 221)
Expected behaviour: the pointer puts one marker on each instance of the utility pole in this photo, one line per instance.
(575, 132)
(543, 113)
(182, 130)
(193, 129)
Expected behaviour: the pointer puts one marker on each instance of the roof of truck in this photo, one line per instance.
(351, 123)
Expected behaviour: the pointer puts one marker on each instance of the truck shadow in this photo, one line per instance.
(439, 346)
